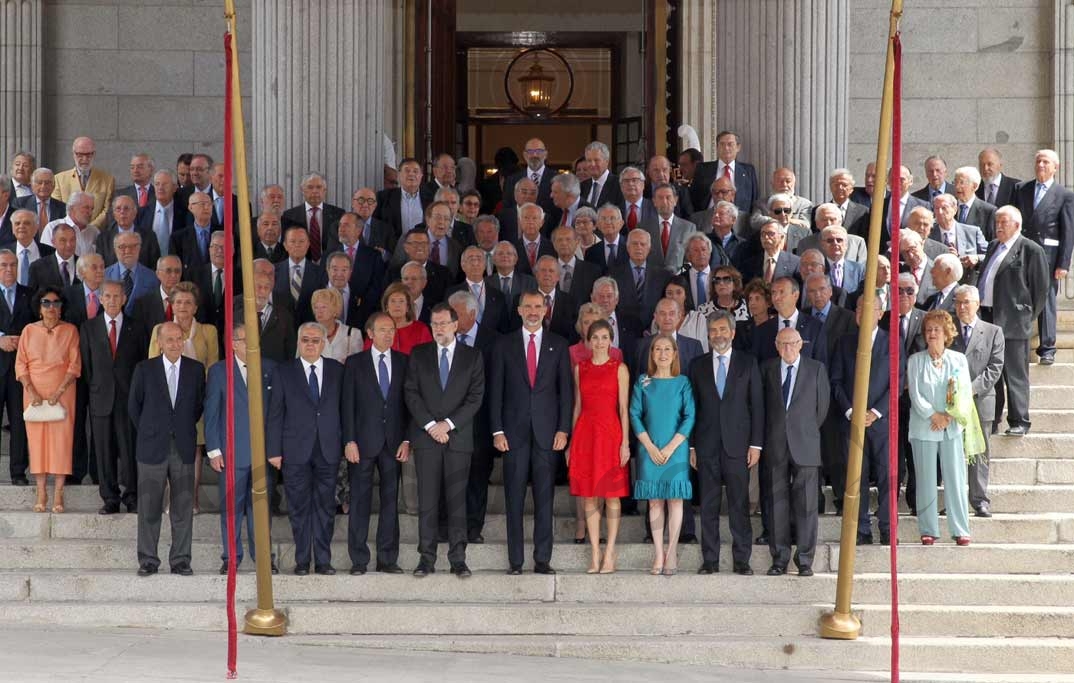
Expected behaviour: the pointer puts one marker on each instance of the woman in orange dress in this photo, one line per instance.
(47, 364)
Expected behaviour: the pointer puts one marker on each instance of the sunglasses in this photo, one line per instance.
(783, 211)
(51, 303)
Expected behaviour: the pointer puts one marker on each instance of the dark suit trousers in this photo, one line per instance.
(310, 488)
(833, 454)
(1015, 380)
(874, 467)
(11, 400)
(524, 460)
(441, 469)
(179, 476)
(116, 467)
(361, 476)
(84, 454)
(717, 471)
(1047, 319)
(477, 487)
(795, 494)
(244, 509)
(906, 456)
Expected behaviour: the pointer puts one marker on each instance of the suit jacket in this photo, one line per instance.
(390, 210)
(646, 214)
(381, 235)
(157, 423)
(216, 410)
(925, 193)
(610, 192)
(853, 273)
(943, 303)
(793, 430)
(149, 309)
(366, 283)
(984, 353)
(1004, 194)
(813, 343)
(45, 271)
(184, 244)
(314, 277)
(56, 208)
(837, 323)
(970, 240)
(598, 255)
(684, 207)
(458, 401)
(522, 411)
(786, 266)
(143, 220)
(12, 322)
(747, 189)
(109, 378)
(1019, 287)
(856, 249)
(520, 282)
(278, 252)
(147, 255)
(544, 188)
(689, 349)
(208, 312)
(544, 248)
(1051, 223)
(278, 335)
(101, 185)
(915, 340)
(451, 246)
(855, 220)
(132, 192)
(583, 276)
(983, 215)
(843, 366)
(7, 237)
(439, 279)
(293, 414)
(145, 281)
(371, 421)
(912, 203)
(74, 311)
(735, 422)
(495, 315)
(656, 278)
(328, 217)
(680, 231)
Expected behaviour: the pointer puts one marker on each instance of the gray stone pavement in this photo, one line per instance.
(34, 655)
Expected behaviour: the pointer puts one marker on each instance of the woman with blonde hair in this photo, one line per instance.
(343, 340)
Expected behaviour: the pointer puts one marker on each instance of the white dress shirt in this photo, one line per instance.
(318, 370)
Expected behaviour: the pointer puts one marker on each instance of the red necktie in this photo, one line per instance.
(143, 196)
(632, 218)
(92, 306)
(531, 253)
(168, 312)
(113, 337)
(350, 253)
(563, 221)
(727, 172)
(547, 307)
(665, 238)
(315, 235)
(531, 359)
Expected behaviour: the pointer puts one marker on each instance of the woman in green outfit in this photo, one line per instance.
(662, 417)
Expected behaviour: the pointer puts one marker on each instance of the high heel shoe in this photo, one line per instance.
(58, 505)
(594, 566)
(608, 565)
(42, 503)
(670, 568)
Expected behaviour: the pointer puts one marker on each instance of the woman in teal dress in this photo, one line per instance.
(662, 415)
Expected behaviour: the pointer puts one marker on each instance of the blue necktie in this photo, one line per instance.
(315, 389)
(9, 293)
(1041, 191)
(443, 368)
(24, 267)
(721, 376)
(787, 386)
(382, 373)
(701, 289)
(219, 209)
(963, 211)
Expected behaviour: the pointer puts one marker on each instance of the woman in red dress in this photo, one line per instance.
(409, 332)
(599, 448)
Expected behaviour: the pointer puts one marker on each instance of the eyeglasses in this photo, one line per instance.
(770, 235)
(907, 290)
(51, 303)
(365, 201)
(536, 150)
(784, 210)
(310, 340)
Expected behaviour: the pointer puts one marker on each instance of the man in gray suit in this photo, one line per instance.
(506, 277)
(963, 240)
(945, 273)
(983, 345)
(973, 210)
(637, 210)
(797, 394)
(922, 221)
(669, 232)
(827, 215)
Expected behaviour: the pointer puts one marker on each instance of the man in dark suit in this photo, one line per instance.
(962, 240)
(58, 266)
(728, 442)
(561, 309)
(361, 294)
(278, 337)
(907, 202)
(743, 175)
(268, 245)
(641, 279)
(525, 192)
(972, 210)
(507, 278)
(444, 250)
(321, 220)
(576, 277)
(165, 403)
(216, 429)
(304, 441)
(491, 304)
(796, 394)
(936, 174)
(374, 425)
(602, 186)
(531, 244)
(565, 204)
(163, 216)
(1048, 219)
(373, 232)
(200, 180)
(403, 207)
(416, 248)
(996, 188)
(6, 210)
(141, 187)
(125, 211)
(1014, 282)
(531, 398)
(212, 287)
(637, 209)
(444, 176)
(785, 295)
(191, 244)
(541, 175)
(298, 277)
(112, 345)
(444, 388)
(945, 274)
(610, 251)
(854, 216)
(45, 207)
(658, 172)
(983, 345)
(15, 314)
(153, 308)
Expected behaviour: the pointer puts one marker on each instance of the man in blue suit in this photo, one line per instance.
(304, 440)
(165, 403)
(216, 441)
(137, 279)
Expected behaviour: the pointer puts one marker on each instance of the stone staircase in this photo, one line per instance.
(1001, 609)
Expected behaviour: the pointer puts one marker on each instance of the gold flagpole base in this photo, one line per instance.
(265, 622)
(839, 626)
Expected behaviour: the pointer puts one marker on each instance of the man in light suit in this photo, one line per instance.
(374, 430)
(743, 175)
(1048, 219)
(320, 219)
(844, 272)
(166, 400)
(965, 241)
(983, 345)
(972, 210)
(85, 177)
(728, 442)
(936, 174)
(668, 231)
(602, 186)
(1014, 283)
(216, 428)
(137, 279)
(796, 394)
(304, 441)
(637, 210)
(444, 388)
(996, 188)
(531, 398)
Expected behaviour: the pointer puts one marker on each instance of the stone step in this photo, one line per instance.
(1062, 355)
(1048, 421)
(1057, 374)
(1034, 445)
(1027, 472)
(564, 588)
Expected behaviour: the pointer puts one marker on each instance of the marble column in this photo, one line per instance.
(20, 78)
(782, 71)
(697, 31)
(1064, 89)
(321, 81)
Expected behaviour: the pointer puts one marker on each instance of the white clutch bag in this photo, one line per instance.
(45, 413)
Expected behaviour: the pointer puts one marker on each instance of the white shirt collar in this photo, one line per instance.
(539, 334)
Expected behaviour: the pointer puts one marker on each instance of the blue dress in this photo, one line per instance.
(663, 407)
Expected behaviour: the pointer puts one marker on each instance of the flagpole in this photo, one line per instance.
(265, 619)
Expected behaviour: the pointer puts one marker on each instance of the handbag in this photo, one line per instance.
(45, 413)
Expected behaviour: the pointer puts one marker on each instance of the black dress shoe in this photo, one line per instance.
(389, 569)
(648, 539)
(20, 481)
(223, 567)
(885, 538)
(147, 570)
(776, 571)
(805, 571)
(687, 539)
(132, 507)
(423, 570)
(475, 538)
(71, 480)
(357, 570)
(1017, 430)
(761, 540)
(709, 568)
(743, 569)
(461, 570)
(1047, 360)
(275, 569)
(302, 571)
(543, 568)
(109, 509)
(325, 570)
(183, 570)
(579, 541)
(982, 510)
(514, 571)
(864, 539)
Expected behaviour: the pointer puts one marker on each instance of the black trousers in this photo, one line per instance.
(244, 510)
(717, 470)
(114, 446)
(84, 451)
(874, 468)
(361, 476)
(906, 456)
(795, 494)
(310, 488)
(833, 454)
(477, 487)
(1046, 322)
(11, 400)
(526, 461)
(442, 469)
